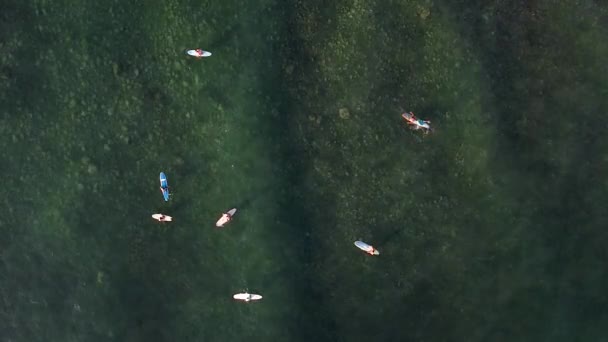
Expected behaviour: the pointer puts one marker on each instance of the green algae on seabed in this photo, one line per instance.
(378, 173)
(116, 100)
(491, 228)
(458, 213)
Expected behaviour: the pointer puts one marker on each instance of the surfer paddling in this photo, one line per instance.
(162, 218)
(226, 217)
(247, 297)
(416, 124)
(369, 249)
(198, 53)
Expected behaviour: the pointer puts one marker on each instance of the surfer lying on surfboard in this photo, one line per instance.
(246, 297)
(416, 123)
(162, 218)
(199, 53)
(372, 251)
(226, 217)
(366, 248)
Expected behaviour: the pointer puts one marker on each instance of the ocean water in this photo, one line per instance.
(491, 228)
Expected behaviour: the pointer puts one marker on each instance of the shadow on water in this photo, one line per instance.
(392, 234)
(296, 204)
(131, 250)
(288, 170)
(22, 74)
(539, 87)
(219, 95)
(225, 37)
(245, 203)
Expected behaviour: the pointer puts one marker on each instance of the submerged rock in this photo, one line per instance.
(344, 113)
(424, 12)
(92, 169)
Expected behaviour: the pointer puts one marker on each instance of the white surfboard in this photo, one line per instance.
(417, 123)
(365, 247)
(424, 125)
(247, 296)
(162, 218)
(226, 217)
(196, 54)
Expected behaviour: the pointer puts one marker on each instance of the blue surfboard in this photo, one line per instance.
(164, 186)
